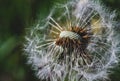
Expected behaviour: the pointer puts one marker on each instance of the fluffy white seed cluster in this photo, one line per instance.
(103, 47)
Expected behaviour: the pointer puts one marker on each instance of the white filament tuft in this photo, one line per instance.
(46, 57)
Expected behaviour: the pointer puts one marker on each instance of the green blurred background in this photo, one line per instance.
(15, 17)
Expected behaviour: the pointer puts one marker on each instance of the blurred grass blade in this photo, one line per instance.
(7, 47)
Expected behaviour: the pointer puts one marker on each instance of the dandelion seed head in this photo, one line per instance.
(76, 42)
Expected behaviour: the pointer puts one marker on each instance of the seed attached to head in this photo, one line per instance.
(73, 37)
(70, 35)
(74, 42)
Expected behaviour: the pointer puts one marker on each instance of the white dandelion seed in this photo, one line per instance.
(78, 42)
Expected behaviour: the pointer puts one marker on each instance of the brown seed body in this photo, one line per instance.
(78, 46)
(74, 43)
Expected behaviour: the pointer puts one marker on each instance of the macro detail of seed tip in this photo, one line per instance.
(74, 37)
(74, 42)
